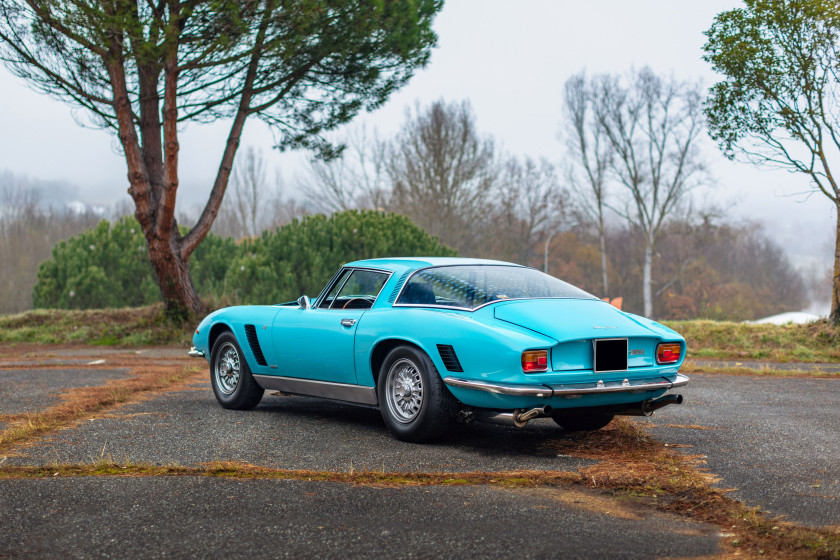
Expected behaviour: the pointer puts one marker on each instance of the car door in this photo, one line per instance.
(318, 343)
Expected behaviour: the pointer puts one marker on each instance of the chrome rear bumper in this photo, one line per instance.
(193, 353)
(571, 389)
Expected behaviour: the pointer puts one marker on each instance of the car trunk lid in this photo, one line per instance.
(575, 324)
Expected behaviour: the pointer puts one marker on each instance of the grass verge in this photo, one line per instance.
(721, 340)
(767, 370)
(139, 326)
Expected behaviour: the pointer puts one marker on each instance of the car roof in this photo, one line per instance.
(402, 264)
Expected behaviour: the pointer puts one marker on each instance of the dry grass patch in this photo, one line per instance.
(635, 465)
(146, 379)
(229, 469)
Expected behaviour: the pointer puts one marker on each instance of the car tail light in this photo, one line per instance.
(534, 361)
(668, 353)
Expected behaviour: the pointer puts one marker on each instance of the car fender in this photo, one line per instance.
(235, 319)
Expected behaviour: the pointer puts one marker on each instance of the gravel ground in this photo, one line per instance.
(199, 517)
(776, 440)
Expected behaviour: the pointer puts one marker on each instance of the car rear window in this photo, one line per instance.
(471, 287)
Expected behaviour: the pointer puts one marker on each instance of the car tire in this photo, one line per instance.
(581, 422)
(413, 400)
(233, 384)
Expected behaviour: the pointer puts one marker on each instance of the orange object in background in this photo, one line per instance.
(615, 302)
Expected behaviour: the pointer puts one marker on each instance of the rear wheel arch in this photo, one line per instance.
(381, 351)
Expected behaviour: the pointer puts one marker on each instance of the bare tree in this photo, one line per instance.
(254, 203)
(249, 189)
(356, 179)
(442, 172)
(652, 125)
(531, 205)
(590, 154)
(29, 229)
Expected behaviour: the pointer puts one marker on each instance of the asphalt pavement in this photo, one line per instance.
(196, 517)
(776, 440)
(189, 428)
(34, 390)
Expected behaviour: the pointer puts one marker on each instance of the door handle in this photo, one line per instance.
(348, 322)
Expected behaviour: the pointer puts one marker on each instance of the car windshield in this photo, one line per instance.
(472, 286)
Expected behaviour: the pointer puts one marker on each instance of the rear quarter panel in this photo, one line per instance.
(485, 351)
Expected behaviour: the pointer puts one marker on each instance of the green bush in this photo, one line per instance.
(108, 266)
(300, 257)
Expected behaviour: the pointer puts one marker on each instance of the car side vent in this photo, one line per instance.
(254, 343)
(450, 360)
(392, 298)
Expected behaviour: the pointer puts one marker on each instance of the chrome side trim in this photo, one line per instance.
(324, 389)
(193, 353)
(544, 391)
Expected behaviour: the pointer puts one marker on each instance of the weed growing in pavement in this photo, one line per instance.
(82, 403)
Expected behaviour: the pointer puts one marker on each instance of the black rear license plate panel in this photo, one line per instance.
(610, 355)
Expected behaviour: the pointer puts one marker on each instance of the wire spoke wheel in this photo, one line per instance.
(404, 390)
(227, 368)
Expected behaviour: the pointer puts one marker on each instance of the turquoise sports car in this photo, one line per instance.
(430, 341)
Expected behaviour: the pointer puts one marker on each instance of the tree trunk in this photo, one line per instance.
(173, 276)
(834, 317)
(603, 241)
(646, 289)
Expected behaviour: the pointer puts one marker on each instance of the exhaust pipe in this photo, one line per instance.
(646, 408)
(516, 418)
(520, 418)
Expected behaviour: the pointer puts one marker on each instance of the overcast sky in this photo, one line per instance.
(510, 59)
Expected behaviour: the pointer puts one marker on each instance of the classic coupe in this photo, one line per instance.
(430, 341)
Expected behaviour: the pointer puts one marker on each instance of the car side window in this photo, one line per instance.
(336, 286)
(360, 290)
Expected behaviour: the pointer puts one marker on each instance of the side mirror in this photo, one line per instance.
(304, 302)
